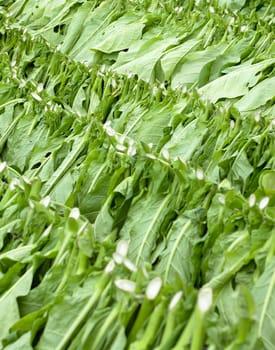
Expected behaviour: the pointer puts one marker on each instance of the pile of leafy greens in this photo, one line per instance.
(137, 175)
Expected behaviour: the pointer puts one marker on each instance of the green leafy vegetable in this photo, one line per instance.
(137, 175)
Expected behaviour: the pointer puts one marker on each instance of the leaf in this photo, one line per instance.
(79, 144)
(24, 342)
(143, 223)
(6, 229)
(188, 71)
(8, 302)
(230, 56)
(143, 61)
(180, 251)
(80, 98)
(232, 4)
(241, 167)
(186, 139)
(18, 154)
(119, 35)
(99, 17)
(264, 296)
(151, 128)
(19, 254)
(70, 313)
(76, 26)
(235, 83)
(267, 182)
(172, 57)
(258, 96)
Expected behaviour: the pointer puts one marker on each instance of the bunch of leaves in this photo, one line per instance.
(134, 216)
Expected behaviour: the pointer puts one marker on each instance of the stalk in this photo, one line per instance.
(66, 164)
(101, 335)
(187, 334)
(152, 328)
(151, 293)
(198, 334)
(171, 322)
(12, 126)
(143, 314)
(100, 286)
(67, 271)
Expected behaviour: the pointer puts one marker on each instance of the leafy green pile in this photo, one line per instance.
(137, 175)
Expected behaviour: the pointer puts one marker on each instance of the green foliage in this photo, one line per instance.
(137, 175)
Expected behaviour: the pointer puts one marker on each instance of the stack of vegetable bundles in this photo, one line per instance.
(137, 175)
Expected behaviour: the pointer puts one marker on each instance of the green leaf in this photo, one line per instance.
(232, 4)
(8, 302)
(180, 251)
(267, 182)
(188, 71)
(241, 168)
(19, 254)
(24, 342)
(142, 225)
(119, 35)
(235, 83)
(172, 57)
(186, 140)
(258, 96)
(142, 62)
(264, 296)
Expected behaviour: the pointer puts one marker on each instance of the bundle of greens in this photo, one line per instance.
(137, 175)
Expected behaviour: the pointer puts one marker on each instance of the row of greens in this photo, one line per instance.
(137, 175)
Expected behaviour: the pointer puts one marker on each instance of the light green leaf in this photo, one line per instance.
(233, 4)
(175, 259)
(172, 57)
(24, 342)
(241, 167)
(19, 254)
(144, 60)
(143, 223)
(186, 140)
(119, 35)
(8, 302)
(258, 95)
(235, 83)
(188, 71)
(264, 296)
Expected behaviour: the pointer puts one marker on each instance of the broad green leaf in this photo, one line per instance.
(144, 60)
(230, 56)
(267, 182)
(172, 57)
(264, 296)
(100, 17)
(232, 4)
(142, 225)
(241, 167)
(180, 251)
(119, 35)
(186, 139)
(151, 128)
(76, 26)
(6, 229)
(8, 302)
(235, 83)
(258, 96)
(79, 144)
(24, 342)
(77, 106)
(70, 313)
(188, 71)
(19, 254)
